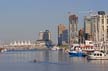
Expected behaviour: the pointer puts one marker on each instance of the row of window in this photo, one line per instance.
(97, 54)
(103, 21)
(87, 48)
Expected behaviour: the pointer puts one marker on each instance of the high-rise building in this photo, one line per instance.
(81, 36)
(73, 29)
(41, 35)
(45, 36)
(44, 39)
(62, 34)
(96, 26)
(89, 27)
(102, 31)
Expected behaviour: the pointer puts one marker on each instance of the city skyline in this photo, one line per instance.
(24, 19)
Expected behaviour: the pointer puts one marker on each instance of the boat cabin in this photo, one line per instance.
(98, 53)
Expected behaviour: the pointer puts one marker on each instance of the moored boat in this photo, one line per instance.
(76, 51)
(3, 50)
(55, 48)
(98, 55)
(77, 54)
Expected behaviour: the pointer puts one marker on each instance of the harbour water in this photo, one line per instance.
(47, 60)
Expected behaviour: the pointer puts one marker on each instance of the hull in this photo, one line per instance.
(98, 58)
(98, 55)
(77, 54)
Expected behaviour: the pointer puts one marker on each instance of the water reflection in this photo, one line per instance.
(52, 57)
(78, 60)
(46, 56)
(48, 61)
(98, 61)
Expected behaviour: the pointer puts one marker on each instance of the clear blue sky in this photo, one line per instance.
(23, 19)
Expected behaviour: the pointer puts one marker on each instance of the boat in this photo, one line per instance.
(98, 55)
(55, 48)
(88, 46)
(76, 51)
(76, 54)
(3, 50)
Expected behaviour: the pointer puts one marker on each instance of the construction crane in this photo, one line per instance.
(89, 12)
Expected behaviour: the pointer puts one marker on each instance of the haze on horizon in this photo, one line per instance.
(23, 19)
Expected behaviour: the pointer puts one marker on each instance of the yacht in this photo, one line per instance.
(81, 50)
(98, 55)
(76, 51)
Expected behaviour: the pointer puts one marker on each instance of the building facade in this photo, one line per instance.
(62, 35)
(73, 29)
(102, 25)
(96, 26)
(81, 36)
(45, 36)
(89, 27)
(44, 39)
(41, 35)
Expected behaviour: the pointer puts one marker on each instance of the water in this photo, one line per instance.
(48, 61)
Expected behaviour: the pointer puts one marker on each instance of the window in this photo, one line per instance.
(102, 28)
(107, 21)
(97, 54)
(107, 32)
(100, 54)
(94, 54)
(107, 27)
(102, 21)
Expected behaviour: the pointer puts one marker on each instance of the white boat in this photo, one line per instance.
(98, 55)
(55, 48)
(3, 50)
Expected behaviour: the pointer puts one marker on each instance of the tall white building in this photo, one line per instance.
(99, 26)
(103, 26)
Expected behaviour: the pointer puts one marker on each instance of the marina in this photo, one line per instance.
(48, 60)
(53, 35)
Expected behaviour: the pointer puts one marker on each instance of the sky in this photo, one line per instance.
(24, 19)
